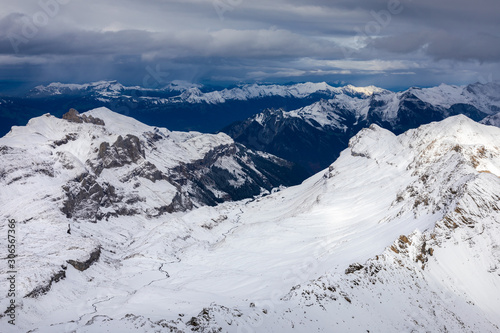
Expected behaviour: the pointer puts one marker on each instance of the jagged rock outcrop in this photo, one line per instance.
(74, 116)
(86, 196)
(122, 152)
(84, 265)
(45, 288)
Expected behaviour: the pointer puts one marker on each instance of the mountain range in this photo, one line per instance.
(115, 233)
(171, 171)
(177, 106)
(308, 123)
(313, 136)
(182, 92)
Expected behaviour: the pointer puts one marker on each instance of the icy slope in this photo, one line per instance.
(401, 233)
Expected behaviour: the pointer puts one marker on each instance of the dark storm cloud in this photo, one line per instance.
(242, 40)
(446, 29)
(222, 43)
(445, 45)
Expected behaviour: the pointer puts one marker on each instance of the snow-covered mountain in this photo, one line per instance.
(178, 106)
(107, 165)
(493, 120)
(255, 91)
(193, 93)
(303, 135)
(485, 97)
(400, 234)
(185, 106)
(105, 89)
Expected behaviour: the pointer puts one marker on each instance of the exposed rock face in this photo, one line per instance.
(69, 137)
(146, 170)
(210, 178)
(122, 152)
(86, 198)
(183, 177)
(353, 268)
(44, 289)
(82, 266)
(74, 116)
(294, 139)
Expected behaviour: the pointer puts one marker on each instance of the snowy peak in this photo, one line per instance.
(255, 91)
(363, 91)
(105, 88)
(373, 102)
(194, 93)
(442, 95)
(348, 103)
(332, 121)
(106, 149)
(406, 213)
(475, 100)
(178, 85)
(486, 97)
(459, 134)
(417, 213)
(493, 120)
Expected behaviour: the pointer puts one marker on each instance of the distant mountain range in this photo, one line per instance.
(307, 123)
(177, 106)
(182, 92)
(314, 135)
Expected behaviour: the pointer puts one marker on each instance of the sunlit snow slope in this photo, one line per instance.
(400, 234)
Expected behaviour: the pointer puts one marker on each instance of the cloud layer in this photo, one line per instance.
(392, 43)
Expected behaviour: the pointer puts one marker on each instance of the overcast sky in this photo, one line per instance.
(390, 43)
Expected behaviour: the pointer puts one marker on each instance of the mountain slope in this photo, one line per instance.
(401, 233)
(327, 125)
(188, 169)
(101, 165)
(493, 120)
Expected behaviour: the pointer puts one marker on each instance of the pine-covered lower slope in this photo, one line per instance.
(400, 234)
